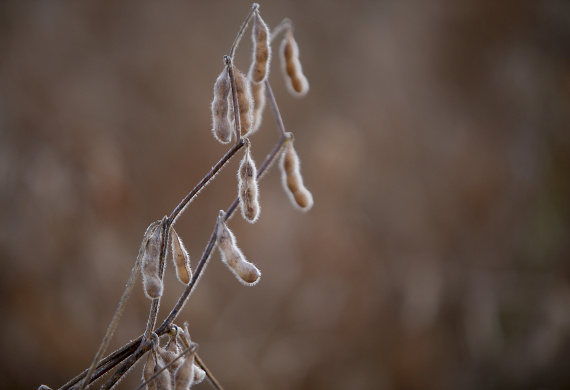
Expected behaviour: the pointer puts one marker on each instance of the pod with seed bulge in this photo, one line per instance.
(148, 371)
(150, 266)
(246, 272)
(247, 188)
(184, 376)
(291, 66)
(261, 50)
(221, 126)
(258, 94)
(292, 179)
(181, 259)
(245, 101)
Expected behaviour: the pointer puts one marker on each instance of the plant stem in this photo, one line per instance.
(254, 8)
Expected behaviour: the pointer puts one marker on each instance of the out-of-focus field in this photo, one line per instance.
(435, 140)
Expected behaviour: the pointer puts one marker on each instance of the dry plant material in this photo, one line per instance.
(184, 376)
(150, 268)
(292, 179)
(258, 94)
(155, 363)
(199, 374)
(181, 258)
(261, 50)
(245, 101)
(173, 366)
(221, 124)
(232, 256)
(291, 66)
(247, 188)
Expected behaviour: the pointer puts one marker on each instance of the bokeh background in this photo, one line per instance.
(435, 140)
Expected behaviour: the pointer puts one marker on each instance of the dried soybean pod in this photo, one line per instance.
(245, 101)
(150, 267)
(291, 66)
(258, 94)
(199, 374)
(164, 379)
(292, 179)
(247, 188)
(148, 371)
(221, 126)
(261, 50)
(246, 272)
(184, 376)
(181, 259)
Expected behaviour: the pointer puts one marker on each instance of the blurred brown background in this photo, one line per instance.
(435, 140)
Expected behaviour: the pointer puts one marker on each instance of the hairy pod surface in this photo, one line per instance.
(292, 180)
(245, 101)
(221, 125)
(184, 376)
(199, 374)
(248, 188)
(258, 94)
(181, 259)
(150, 268)
(164, 379)
(148, 371)
(232, 256)
(261, 50)
(296, 81)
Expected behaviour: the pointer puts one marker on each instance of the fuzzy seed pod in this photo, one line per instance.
(199, 374)
(261, 50)
(247, 188)
(291, 66)
(184, 376)
(150, 267)
(181, 259)
(292, 179)
(221, 126)
(148, 371)
(245, 101)
(258, 93)
(164, 379)
(232, 256)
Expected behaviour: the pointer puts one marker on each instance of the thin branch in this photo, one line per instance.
(188, 199)
(275, 108)
(213, 381)
(254, 8)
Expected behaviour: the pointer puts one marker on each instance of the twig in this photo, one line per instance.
(209, 374)
(254, 8)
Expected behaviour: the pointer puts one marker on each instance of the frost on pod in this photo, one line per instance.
(221, 125)
(261, 50)
(232, 256)
(150, 267)
(181, 259)
(245, 101)
(291, 67)
(292, 179)
(258, 94)
(247, 188)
